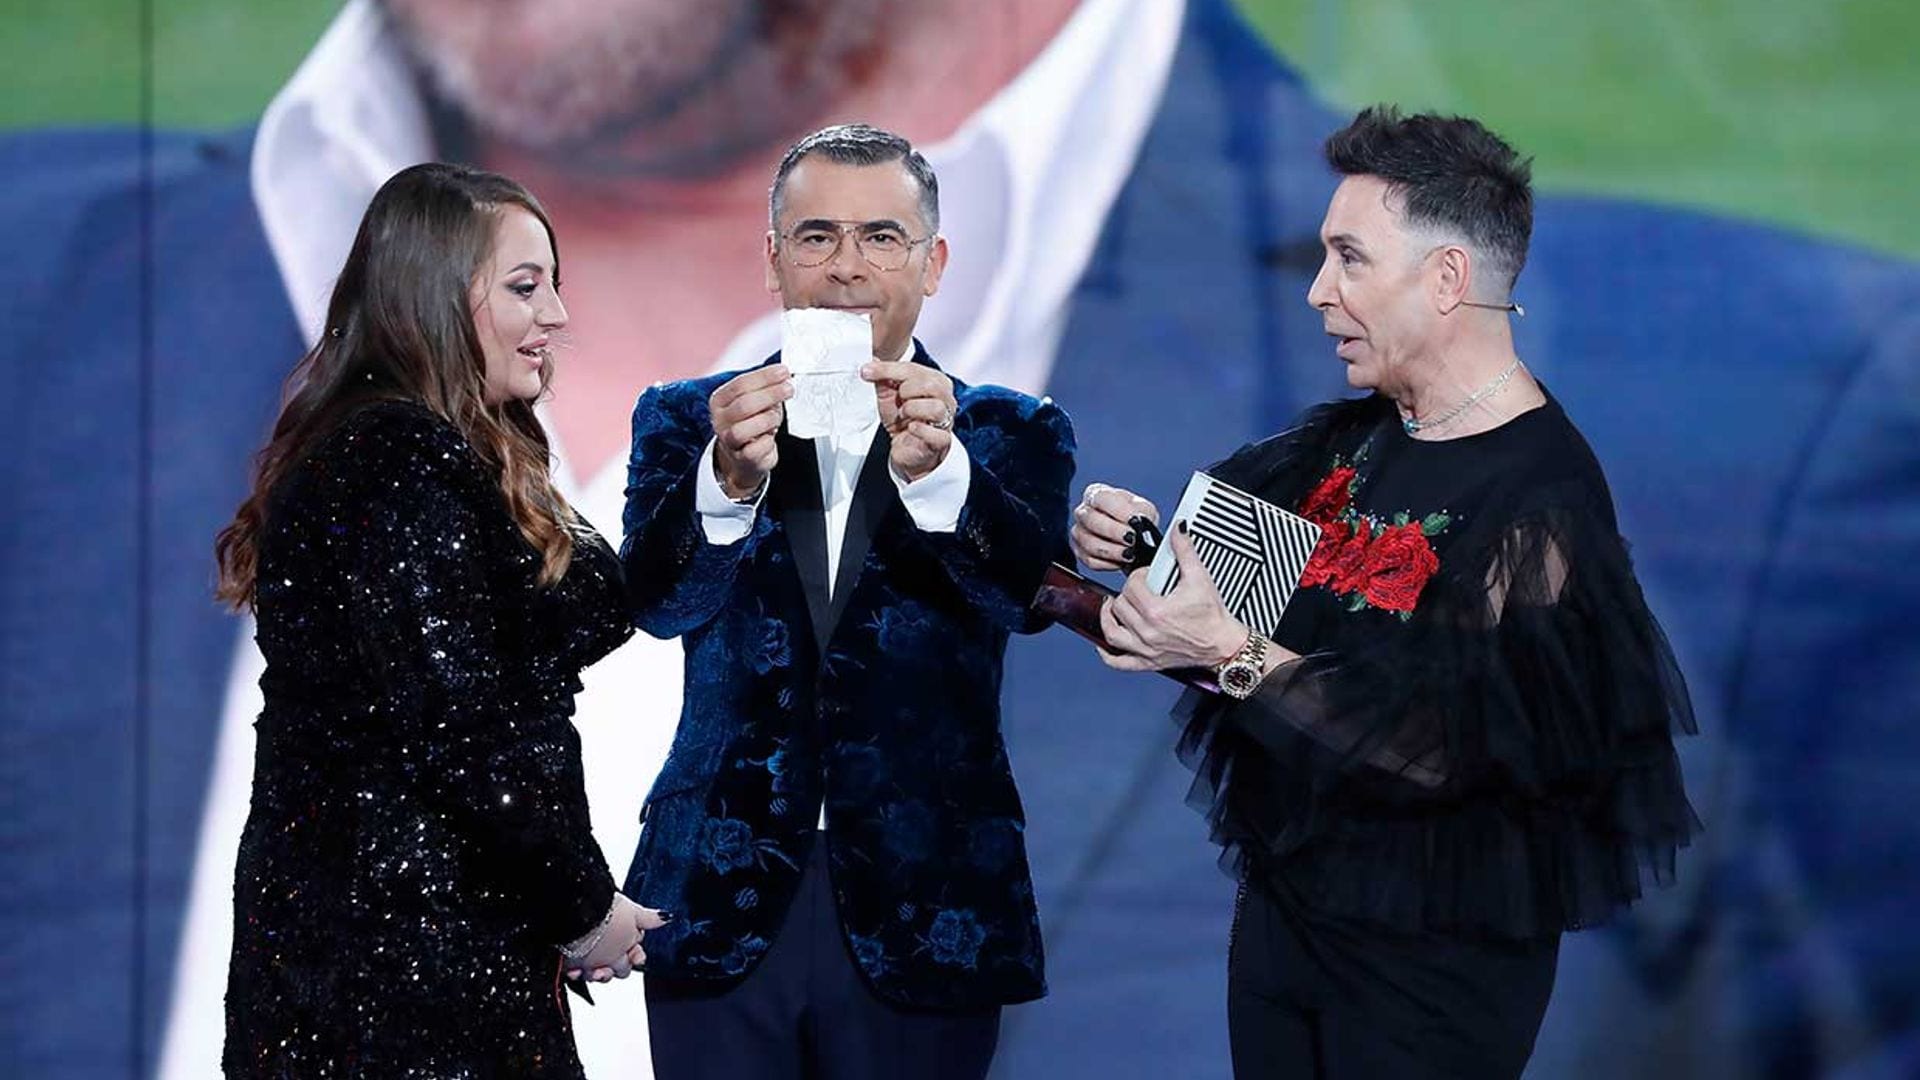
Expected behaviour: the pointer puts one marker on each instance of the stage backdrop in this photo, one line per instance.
(1724, 293)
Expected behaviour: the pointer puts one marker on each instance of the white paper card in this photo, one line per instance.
(825, 350)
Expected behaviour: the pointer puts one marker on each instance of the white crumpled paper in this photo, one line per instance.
(825, 350)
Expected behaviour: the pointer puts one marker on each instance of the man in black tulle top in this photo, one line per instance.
(1458, 743)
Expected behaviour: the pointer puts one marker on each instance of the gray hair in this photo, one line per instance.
(859, 144)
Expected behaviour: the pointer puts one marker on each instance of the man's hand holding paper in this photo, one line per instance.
(916, 403)
(746, 412)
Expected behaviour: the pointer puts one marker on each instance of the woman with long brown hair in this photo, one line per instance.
(417, 876)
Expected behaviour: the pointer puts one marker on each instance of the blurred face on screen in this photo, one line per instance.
(825, 201)
(1373, 286)
(682, 85)
(517, 308)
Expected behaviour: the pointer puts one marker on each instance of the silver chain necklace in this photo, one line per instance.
(1414, 427)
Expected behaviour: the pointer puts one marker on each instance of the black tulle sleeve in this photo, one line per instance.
(1501, 762)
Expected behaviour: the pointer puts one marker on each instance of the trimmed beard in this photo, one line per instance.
(654, 87)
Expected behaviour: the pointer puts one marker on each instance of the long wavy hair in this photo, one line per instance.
(400, 327)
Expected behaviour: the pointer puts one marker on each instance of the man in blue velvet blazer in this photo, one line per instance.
(837, 826)
(1754, 394)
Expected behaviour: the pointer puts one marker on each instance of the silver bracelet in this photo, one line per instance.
(581, 946)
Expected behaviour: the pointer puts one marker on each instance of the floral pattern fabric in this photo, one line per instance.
(892, 721)
(1368, 561)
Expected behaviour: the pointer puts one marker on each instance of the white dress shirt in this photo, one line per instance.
(1026, 184)
(933, 502)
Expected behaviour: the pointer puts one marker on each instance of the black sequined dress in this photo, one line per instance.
(418, 842)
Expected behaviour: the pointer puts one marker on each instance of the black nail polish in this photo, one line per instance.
(667, 916)
(1129, 538)
(1182, 526)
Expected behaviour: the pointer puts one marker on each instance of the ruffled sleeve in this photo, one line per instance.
(1501, 763)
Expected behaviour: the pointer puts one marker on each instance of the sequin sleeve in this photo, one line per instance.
(495, 751)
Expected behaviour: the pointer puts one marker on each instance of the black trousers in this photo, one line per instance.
(806, 1013)
(1316, 998)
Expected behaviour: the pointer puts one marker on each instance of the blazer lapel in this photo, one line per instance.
(795, 491)
(873, 496)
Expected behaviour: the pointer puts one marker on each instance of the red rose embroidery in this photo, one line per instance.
(1397, 566)
(1349, 563)
(1329, 500)
(1358, 557)
(1319, 569)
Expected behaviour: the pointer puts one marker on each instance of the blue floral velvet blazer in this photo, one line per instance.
(883, 701)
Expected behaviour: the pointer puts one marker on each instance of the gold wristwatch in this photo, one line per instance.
(1240, 676)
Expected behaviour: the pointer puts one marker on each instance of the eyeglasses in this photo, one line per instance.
(884, 246)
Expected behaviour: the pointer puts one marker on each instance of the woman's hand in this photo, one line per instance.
(612, 950)
(1188, 627)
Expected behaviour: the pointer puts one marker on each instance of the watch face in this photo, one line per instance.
(1236, 679)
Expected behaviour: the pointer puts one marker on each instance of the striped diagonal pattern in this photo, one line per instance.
(1254, 550)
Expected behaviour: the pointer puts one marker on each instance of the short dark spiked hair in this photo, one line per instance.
(859, 144)
(1450, 173)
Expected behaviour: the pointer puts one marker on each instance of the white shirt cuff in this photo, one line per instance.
(935, 500)
(721, 519)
